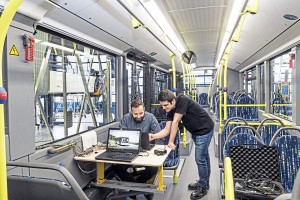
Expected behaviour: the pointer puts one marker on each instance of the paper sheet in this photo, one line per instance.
(88, 139)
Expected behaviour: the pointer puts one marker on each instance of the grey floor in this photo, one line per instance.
(189, 174)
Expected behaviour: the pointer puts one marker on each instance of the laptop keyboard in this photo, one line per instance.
(119, 156)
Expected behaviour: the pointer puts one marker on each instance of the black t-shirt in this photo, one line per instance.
(195, 118)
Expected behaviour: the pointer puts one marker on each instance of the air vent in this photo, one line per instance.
(152, 54)
(290, 17)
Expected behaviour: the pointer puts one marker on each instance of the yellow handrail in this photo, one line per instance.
(229, 187)
(246, 105)
(5, 20)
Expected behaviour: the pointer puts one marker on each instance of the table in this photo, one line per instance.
(145, 160)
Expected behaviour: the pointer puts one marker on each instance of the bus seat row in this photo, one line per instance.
(286, 143)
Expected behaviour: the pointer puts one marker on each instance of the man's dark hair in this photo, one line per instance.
(166, 95)
(136, 103)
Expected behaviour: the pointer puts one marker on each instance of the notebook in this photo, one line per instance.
(145, 143)
(121, 145)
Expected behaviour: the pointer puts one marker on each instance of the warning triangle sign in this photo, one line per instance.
(14, 51)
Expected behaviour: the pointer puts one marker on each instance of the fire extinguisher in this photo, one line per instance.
(28, 42)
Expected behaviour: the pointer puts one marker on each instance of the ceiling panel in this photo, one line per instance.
(74, 6)
(207, 46)
(195, 37)
(180, 4)
(199, 19)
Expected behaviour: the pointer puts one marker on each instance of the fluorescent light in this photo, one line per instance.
(65, 49)
(163, 23)
(233, 18)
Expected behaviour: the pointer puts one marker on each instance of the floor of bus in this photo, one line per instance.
(189, 174)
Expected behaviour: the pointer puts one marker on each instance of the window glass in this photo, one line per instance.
(87, 78)
(251, 81)
(281, 90)
(262, 85)
(203, 77)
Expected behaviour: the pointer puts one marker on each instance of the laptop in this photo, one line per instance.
(121, 145)
(145, 143)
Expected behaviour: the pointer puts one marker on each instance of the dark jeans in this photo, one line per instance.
(202, 157)
(148, 173)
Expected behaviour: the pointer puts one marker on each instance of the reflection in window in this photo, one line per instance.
(135, 82)
(281, 90)
(251, 82)
(262, 85)
(71, 74)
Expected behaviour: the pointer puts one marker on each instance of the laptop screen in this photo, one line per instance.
(123, 139)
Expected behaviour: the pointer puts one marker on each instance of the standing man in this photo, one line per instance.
(138, 119)
(199, 124)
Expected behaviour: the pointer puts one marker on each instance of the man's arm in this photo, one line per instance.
(174, 129)
(163, 133)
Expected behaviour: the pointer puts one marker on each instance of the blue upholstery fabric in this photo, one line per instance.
(245, 139)
(268, 131)
(173, 157)
(289, 159)
(225, 132)
(203, 99)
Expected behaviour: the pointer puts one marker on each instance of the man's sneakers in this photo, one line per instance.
(194, 186)
(198, 194)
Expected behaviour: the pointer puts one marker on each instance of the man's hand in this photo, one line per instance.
(151, 137)
(172, 146)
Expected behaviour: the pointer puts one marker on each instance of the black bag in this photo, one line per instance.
(257, 185)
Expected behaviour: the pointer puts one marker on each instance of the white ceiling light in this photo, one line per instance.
(163, 23)
(233, 18)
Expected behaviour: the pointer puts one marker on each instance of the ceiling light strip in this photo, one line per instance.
(132, 14)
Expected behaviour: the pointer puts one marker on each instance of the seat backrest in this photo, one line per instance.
(258, 162)
(227, 129)
(268, 128)
(289, 159)
(38, 187)
(173, 158)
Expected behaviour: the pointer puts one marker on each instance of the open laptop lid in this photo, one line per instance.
(123, 139)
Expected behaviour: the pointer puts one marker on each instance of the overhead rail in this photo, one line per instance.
(252, 8)
(5, 20)
(143, 25)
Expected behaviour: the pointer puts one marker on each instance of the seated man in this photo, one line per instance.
(145, 121)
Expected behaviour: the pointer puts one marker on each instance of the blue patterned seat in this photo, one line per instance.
(173, 159)
(250, 140)
(288, 156)
(267, 130)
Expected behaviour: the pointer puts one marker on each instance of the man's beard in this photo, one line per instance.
(138, 120)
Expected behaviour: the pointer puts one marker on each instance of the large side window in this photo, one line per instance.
(262, 84)
(281, 90)
(74, 87)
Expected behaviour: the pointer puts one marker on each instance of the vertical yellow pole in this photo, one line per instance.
(229, 185)
(5, 20)
(184, 78)
(225, 86)
(173, 71)
(160, 178)
(184, 85)
(220, 98)
(100, 172)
